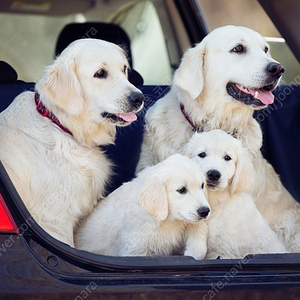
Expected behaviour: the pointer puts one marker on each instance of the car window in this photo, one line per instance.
(30, 39)
(249, 13)
(149, 51)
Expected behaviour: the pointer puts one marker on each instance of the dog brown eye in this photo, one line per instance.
(266, 49)
(182, 190)
(101, 74)
(227, 157)
(202, 154)
(202, 185)
(125, 70)
(239, 49)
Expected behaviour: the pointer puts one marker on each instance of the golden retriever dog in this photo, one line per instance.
(158, 213)
(236, 227)
(218, 85)
(49, 138)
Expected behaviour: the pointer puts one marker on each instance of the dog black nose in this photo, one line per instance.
(213, 175)
(136, 99)
(275, 69)
(203, 211)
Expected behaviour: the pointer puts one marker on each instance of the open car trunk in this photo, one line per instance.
(50, 265)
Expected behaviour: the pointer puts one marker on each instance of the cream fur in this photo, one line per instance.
(200, 85)
(149, 216)
(60, 177)
(236, 227)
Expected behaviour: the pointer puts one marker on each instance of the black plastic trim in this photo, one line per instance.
(193, 19)
(285, 16)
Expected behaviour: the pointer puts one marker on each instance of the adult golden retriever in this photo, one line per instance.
(158, 213)
(236, 227)
(218, 85)
(49, 138)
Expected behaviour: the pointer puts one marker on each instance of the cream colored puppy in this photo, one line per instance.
(236, 227)
(49, 138)
(218, 85)
(158, 213)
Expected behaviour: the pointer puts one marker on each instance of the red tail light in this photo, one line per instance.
(7, 223)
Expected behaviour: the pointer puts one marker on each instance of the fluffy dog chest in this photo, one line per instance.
(88, 167)
(75, 178)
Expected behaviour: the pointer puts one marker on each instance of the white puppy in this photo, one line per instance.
(218, 85)
(236, 227)
(158, 213)
(49, 138)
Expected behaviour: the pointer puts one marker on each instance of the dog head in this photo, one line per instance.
(231, 63)
(224, 161)
(90, 78)
(174, 190)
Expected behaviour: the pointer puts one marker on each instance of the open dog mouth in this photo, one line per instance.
(252, 96)
(120, 117)
(211, 184)
(136, 104)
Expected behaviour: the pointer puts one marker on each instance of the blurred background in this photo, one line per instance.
(29, 31)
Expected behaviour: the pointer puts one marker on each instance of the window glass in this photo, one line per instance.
(28, 42)
(30, 39)
(149, 52)
(249, 13)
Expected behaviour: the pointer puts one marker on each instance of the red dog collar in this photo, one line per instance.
(44, 112)
(195, 128)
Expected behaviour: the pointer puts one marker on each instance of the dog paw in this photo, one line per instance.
(199, 255)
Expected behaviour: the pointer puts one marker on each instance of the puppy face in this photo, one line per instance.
(174, 190)
(187, 201)
(89, 78)
(234, 64)
(225, 163)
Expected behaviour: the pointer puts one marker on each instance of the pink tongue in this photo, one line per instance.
(264, 96)
(127, 117)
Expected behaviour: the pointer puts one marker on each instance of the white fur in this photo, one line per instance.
(149, 216)
(200, 85)
(236, 227)
(60, 177)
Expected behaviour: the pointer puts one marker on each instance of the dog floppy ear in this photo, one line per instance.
(190, 74)
(244, 174)
(61, 85)
(153, 198)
